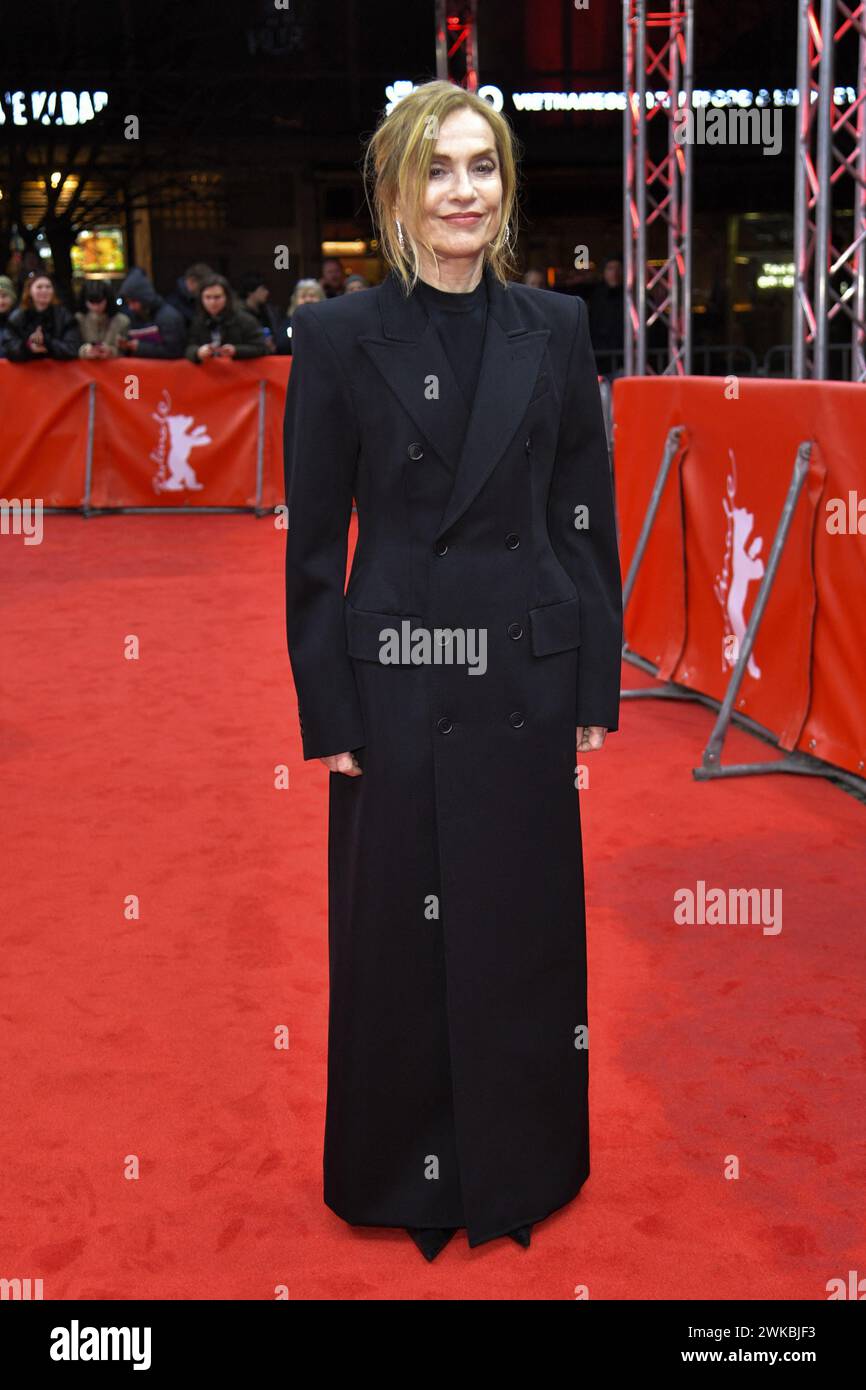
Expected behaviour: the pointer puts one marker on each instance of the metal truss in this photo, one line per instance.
(658, 49)
(830, 263)
(457, 43)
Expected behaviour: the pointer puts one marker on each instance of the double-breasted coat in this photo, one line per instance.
(458, 1045)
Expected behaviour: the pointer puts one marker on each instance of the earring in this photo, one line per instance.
(400, 235)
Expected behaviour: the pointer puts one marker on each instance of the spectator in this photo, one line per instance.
(354, 283)
(8, 300)
(536, 279)
(305, 292)
(333, 279)
(42, 327)
(254, 296)
(606, 310)
(184, 296)
(155, 329)
(101, 323)
(221, 328)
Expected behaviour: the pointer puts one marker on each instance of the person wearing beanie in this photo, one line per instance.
(8, 300)
(102, 325)
(255, 298)
(355, 282)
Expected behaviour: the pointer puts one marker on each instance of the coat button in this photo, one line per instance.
(516, 720)
(415, 451)
(512, 540)
(441, 547)
(444, 725)
(528, 443)
(515, 631)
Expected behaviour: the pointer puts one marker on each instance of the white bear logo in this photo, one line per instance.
(742, 565)
(178, 436)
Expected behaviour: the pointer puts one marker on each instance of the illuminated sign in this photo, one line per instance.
(615, 101)
(776, 276)
(52, 108)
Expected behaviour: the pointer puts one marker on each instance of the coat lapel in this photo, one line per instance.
(411, 351)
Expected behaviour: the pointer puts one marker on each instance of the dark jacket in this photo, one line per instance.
(59, 328)
(4, 331)
(180, 299)
(606, 318)
(274, 325)
(160, 330)
(457, 1026)
(234, 325)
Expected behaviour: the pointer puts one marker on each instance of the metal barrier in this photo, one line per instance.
(838, 361)
(711, 359)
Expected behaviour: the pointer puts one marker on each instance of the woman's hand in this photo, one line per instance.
(590, 736)
(204, 352)
(343, 762)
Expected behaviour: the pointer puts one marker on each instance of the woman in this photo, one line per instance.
(42, 327)
(305, 292)
(220, 328)
(101, 325)
(8, 300)
(482, 627)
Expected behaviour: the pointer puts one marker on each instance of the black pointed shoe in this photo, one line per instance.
(522, 1234)
(431, 1239)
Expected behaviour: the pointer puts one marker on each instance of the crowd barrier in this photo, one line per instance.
(739, 515)
(742, 513)
(147, 434)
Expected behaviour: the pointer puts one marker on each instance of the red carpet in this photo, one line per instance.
(154, 1038)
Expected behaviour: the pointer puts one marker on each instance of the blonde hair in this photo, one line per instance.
(397, 162)
(304, 287)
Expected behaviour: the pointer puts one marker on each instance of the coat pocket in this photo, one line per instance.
(364, 631)
(555, 627)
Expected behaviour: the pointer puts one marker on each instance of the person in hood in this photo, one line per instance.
(155, 328)
(221, 329)
(42, 328)
(184, 296)
(8, 300)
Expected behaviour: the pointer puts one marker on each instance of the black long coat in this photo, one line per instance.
(457, 1062)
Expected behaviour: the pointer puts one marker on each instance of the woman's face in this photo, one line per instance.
(308, 296)
(97, 306)
(463, 197)
(41, 293)
(6, 302)
(213, 299)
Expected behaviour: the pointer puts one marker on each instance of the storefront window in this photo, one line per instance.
(99, 253)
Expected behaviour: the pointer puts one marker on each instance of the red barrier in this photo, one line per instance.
(806, 678)
(124, 433)
(44, 415)
(168, 434)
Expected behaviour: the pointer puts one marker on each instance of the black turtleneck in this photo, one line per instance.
(461, 319)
